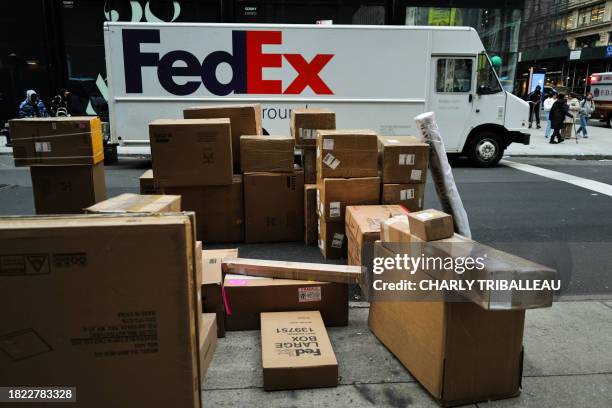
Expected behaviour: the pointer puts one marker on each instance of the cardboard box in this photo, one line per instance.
(274, 206)
(248, 296)
(459, 352)
(245, 120)
(147, 185)
(296, 351)
(363, 222)
(208, 341)
(266, 153)
(404, 159)
(395, 229)
(85, 301)
(309, 164)
(306, 121)
(310, 214)
(191, 152)
(409, 195)
(347, 153)
(336, 194)
(332, 239)
(292, 270)
(63, 141)
(132, 203)
(212, 284)
(431, 225)
(67, 189)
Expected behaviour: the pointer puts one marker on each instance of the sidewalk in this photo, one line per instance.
(568, 363)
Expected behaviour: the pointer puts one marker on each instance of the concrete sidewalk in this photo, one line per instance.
(568, 363)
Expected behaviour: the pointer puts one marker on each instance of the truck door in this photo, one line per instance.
(490, 101)
(451, 97)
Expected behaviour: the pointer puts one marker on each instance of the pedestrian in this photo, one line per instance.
(32, 106)
(587, 106)
(569, 122)
(548, 103)
(534, 100)
(558, 112)
(60, 104)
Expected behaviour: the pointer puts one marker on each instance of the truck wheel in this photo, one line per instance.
(485, 149)
(609, 121)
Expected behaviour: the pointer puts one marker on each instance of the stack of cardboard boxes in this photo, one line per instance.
(347, 174)
(66, 156)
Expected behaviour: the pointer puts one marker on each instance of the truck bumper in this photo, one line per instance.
(519, 137)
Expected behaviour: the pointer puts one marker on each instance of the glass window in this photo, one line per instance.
(591, 15)
(454, 75)
(597, 13)
(487, 79)
(570, 22)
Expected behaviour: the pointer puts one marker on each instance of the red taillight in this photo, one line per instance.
(593, 78)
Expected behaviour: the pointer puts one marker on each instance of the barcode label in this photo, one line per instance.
(406, 159)
(308, 133)
(407, 194)
(415, 175)
(328, 144)
(337, 240)
(309, 294)
(334, 209)
(42, 147)
(330, 161)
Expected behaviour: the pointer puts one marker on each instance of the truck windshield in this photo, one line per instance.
(487, 79)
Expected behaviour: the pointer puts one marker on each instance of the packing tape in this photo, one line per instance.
(50, 136)
(225, 302)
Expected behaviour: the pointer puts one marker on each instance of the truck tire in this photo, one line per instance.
(485, 149)
(609, 121)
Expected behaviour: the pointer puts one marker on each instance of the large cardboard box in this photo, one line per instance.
(309, 164)
(296, 351)
(336, 194)
(59, 141)
(248, 296)
(347, 153)
(404, 159)
(266, 153)
(409, 195)
(67, 189)
(310, 214)
(85, 302)
(431, 225)
(208, 341)
(191, 152)
(133, 203)
(332, 239)
(212, 284)
(274, 206)
(245, 120)
(306, 121)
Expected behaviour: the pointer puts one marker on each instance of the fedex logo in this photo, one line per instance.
(246, 59)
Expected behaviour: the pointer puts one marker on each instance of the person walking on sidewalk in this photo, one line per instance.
(569, 122)
(534, 100)
(558, 113)
(587, 106)
(548, 103)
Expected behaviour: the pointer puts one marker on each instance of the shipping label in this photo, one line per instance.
(330, 161)
(328, 144)
(337, 240)
(309, 294)
(406, 160)
(334, 209)
(415, 175)
(307, 133)
(407, 194)
(42, 147)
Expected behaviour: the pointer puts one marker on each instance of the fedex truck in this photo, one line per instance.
(374, 77)
(601, 87)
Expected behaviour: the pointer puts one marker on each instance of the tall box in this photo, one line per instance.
(332, 239)
(336, 194)
(67, 140)
(306, 121)
(296, 351)
(309, 164)
(136, 203)
(248, 296)
(409, 195)
(347, 153)
(85, 302)
(245, 120)
(404, 159)
(67, 189)
(147, 184)
(191, 152)
(266, 153)
(274, 206)
(310, 214)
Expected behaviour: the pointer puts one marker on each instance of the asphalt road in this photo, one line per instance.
(549, 221)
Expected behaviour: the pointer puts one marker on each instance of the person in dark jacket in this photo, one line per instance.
(558, 113)
(32, 106)
(60, 104)
(534, 100)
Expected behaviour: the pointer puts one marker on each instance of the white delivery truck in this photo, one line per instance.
(601, 88)
(375, 77)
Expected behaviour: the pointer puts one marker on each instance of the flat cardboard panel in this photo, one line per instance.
(310, 214)
(57, 141)
(208, 341)
(274, 206)
(266, 153)
(410, 196)
(67, 189)
(245, 120)
(296, 351)
(191, 152)
(431, 225)
(347, 153)
(332, 239)
(404, 159)
(309, 164)
(306, 121)
(131, 203)
(91, 291)
(336, 194)
(248, 296)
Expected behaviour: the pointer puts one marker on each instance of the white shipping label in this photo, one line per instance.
(330, 161)
(337, 240)
(424, 216)
(309, 294)
(407, 194)
(415, 175)
(334, 209)
(328, 144)
(308, 133)
(406, 159)
(42, 147)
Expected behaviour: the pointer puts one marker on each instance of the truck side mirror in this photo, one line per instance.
(483, 90)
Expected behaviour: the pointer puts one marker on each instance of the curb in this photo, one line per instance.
(564, 156)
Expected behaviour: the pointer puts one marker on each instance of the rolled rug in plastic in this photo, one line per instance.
(442, 174)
